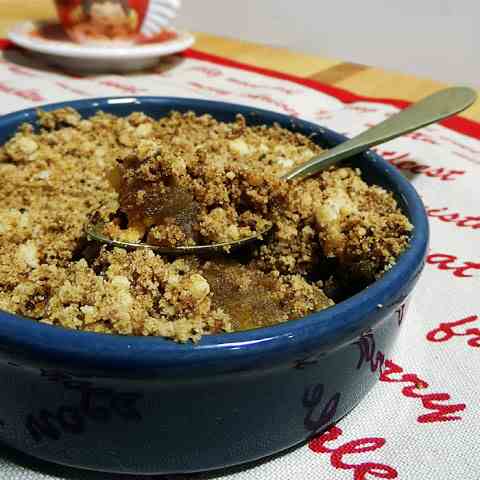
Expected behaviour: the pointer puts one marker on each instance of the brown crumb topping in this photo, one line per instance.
(183, 179)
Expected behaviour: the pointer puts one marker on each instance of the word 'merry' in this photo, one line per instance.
(440, 411)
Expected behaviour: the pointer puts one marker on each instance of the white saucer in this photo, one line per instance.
(99, 58)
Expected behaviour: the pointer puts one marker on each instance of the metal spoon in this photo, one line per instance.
(431, 109)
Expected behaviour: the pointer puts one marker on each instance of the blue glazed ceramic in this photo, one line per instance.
(146, 405)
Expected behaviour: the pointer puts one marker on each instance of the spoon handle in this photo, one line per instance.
(431, 109)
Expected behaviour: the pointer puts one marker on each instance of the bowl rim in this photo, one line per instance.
(327, 328)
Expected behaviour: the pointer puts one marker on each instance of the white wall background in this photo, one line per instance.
(438, 39)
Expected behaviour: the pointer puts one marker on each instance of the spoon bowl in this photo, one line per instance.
(94, 232)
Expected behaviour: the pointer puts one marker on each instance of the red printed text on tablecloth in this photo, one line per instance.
(441, 411)
(458, 268)
(31, 94)
(67, 87)
(127, 88)
(466, 327)
(443, 214)
(360, 470)
(404, 161)
(213, 72)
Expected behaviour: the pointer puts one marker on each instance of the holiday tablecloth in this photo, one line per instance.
(422, 420)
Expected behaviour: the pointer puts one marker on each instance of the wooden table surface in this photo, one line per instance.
(360, 79)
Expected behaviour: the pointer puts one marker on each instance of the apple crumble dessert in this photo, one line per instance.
(181, 180)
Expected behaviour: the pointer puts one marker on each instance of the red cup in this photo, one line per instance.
(102, 21)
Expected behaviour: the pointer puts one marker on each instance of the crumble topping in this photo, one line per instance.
(182, 179)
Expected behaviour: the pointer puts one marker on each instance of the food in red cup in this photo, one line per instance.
(114, 21)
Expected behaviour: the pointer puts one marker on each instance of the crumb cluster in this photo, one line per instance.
(183, 179)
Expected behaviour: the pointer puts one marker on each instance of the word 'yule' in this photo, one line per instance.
(338, 460)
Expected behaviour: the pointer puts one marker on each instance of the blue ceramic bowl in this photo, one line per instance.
(146, 405)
